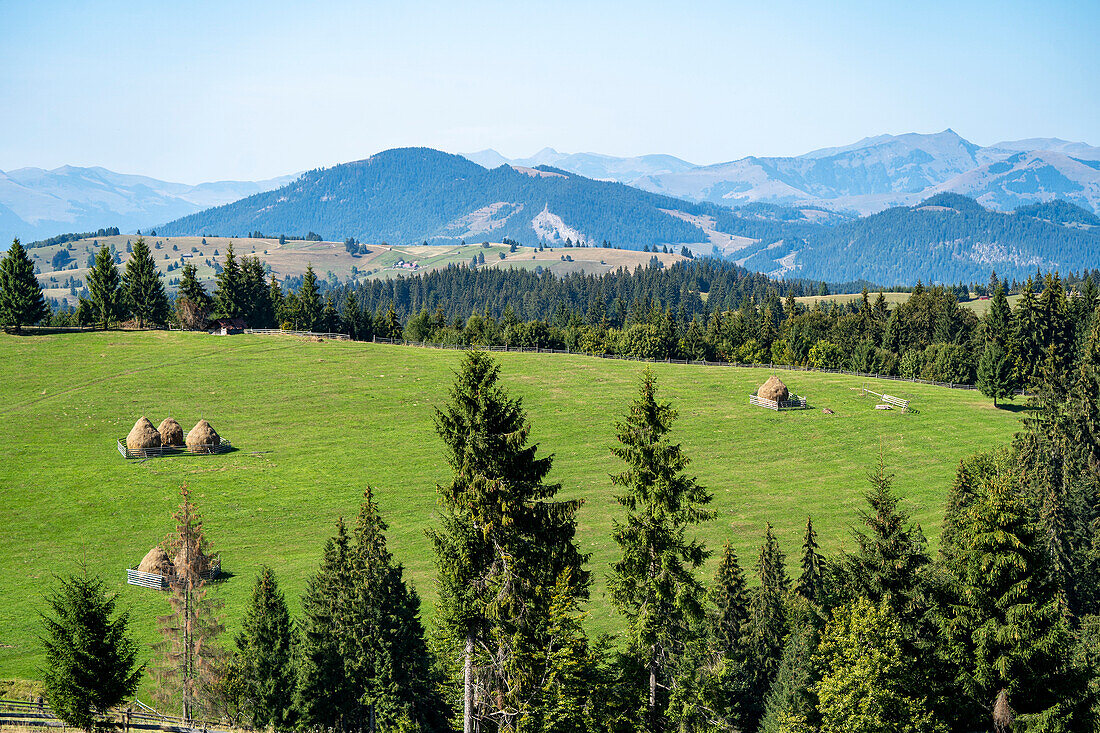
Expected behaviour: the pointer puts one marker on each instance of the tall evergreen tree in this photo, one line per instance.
(105, 288)
(256, 306)
(654, 583)
(998, 320)
(21, 301)
(143, 291)
(264, 655)
(91, 660)
(1005, 625)
(192, 289)
(726, 688)
(1027, 337)
(811, 584)
(995, 373)
(768, 625)
(309, 301)
(503, 543)
(228, 295)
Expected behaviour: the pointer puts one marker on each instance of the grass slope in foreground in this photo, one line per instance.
(326, 418)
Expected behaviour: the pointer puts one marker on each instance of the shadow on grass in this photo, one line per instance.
(1012, 407)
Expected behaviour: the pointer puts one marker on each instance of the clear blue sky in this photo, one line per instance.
(195, 91)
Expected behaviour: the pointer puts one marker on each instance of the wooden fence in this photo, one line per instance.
(156, 581)
(307, 334)
(795, 403)
(15, 713)
(174, 450)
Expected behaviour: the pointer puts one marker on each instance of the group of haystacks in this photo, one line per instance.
(157, 561)
(201, 439)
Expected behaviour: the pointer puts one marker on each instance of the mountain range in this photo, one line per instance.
(419, 195)
(37, 203)
(862, 178)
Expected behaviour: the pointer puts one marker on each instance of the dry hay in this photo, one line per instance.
(171, 434)
(202, 438)
(773, 390)
(142, 437)
(156, 561)
(201, 564)
(1003, 716)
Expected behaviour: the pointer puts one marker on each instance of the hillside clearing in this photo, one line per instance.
(315, 422)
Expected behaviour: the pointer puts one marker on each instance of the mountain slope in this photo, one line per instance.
(410, 195)
(889, 170)
(48, 202)
(591, 165)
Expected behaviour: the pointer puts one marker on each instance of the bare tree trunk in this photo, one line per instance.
(468, 687)
(652, 696)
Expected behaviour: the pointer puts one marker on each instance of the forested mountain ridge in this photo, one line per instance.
(410, 195)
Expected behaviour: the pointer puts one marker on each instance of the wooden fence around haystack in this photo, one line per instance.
(174, 450)
(156, 581)
(795, 403)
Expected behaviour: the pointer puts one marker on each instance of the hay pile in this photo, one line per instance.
(202, 438)
(202, 562)
(774, 390)
(156, 561)
(170, 432)
(142, 437)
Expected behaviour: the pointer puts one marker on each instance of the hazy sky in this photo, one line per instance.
(195, 91)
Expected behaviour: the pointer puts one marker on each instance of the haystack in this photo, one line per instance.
(202, 438)
(170, 432)
(143, 437)
(156, 561)
(202, 562)
(774, 390)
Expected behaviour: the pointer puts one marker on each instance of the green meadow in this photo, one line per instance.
(313, 423)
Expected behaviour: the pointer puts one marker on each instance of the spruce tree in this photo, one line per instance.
(768, 626)
(654, 583)
(228, 295)
(264, 655)
(1005, 625)
(143, 291)
(309, 302)
(998, 320)
(276, 298)
(503, 543)
(729, 597)
(192, 289)
(726, 688)
(1027, 337)
(995, 373)
(811, 584)
(105, 288)
(91, 660)
(21, 301)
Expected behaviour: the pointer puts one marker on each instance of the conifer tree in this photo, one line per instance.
(995, 373)
(105, 288)
(503, 543)
(91, 660)
(654, 583)
(791, 695)
(1005, 626)
(228, 295)
(276, 298)
(892, 552)
(998, 320)
(1027, 337)
(768, 625)
(726, 688)
(264, 655)
(21, 301)
(729, 597)
(309, 301)
(192, 289)
(189, 663)
(811, 584)
(256, 306)
(143, 291)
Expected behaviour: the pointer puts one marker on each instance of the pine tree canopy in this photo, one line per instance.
(142, 288)
(21, 301)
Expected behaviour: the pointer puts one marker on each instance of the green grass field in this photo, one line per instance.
(315, 422)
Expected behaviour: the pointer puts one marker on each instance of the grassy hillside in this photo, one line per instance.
(291, 258)
(315, 422)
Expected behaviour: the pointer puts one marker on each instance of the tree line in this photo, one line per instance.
(999, 629)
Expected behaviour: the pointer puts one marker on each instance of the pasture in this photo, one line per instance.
(315, 422)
